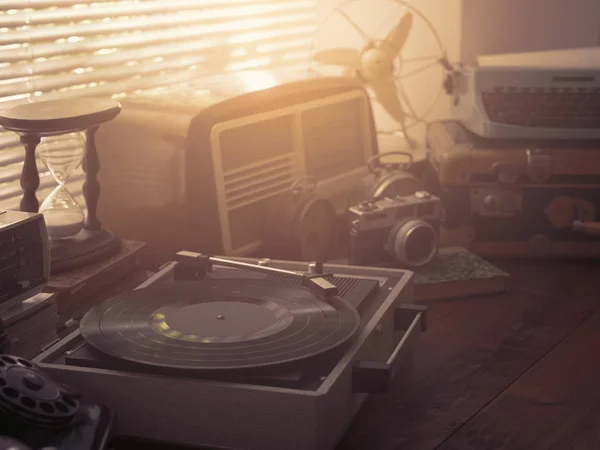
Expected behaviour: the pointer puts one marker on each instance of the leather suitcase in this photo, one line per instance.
(514, 198)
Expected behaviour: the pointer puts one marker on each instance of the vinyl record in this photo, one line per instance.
(219, 324)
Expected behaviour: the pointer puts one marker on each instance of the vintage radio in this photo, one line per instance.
(197, 166)
(514, 198)
(24, 256)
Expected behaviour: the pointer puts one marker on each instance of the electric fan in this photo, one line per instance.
(393, 49)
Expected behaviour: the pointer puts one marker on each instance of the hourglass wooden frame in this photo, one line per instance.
(38, 120)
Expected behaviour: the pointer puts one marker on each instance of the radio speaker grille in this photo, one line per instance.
(333, 137)
(258, 162)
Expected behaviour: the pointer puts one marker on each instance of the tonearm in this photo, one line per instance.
(202, 264)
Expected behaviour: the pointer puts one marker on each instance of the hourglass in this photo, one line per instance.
(62, 155)
(55, 129)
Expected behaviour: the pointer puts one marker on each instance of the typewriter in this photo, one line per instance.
(530, 96)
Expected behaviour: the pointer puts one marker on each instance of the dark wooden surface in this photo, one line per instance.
(516, 371)
(519, 370)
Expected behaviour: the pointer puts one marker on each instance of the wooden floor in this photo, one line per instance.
(516, 371)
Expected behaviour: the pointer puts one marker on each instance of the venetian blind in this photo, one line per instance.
(57, 48)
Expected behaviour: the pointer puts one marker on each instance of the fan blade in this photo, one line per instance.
(397, 37)
(346, 57)
(386, 94)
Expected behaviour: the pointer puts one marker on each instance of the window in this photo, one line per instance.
(56, 48)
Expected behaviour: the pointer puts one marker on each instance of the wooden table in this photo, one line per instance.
(515, 371)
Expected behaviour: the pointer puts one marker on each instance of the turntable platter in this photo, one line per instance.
(219, 324)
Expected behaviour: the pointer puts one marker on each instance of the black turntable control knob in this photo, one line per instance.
(32, 381)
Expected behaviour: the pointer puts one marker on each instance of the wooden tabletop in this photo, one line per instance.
(516, 371)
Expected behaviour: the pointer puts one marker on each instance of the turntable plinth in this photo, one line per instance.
(292, 374)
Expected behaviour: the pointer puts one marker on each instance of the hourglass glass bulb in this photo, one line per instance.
(62, 154)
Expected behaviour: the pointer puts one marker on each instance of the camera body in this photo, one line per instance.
(402, 231)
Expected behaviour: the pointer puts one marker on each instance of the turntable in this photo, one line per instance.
(242, 353)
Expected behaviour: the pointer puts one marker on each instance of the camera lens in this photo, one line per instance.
(414, 242)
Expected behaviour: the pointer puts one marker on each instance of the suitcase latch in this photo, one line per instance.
(495, 202)
(539, 165)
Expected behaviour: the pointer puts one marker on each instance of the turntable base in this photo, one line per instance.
(212, 393)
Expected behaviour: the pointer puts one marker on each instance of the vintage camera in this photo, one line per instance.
(400, 231)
